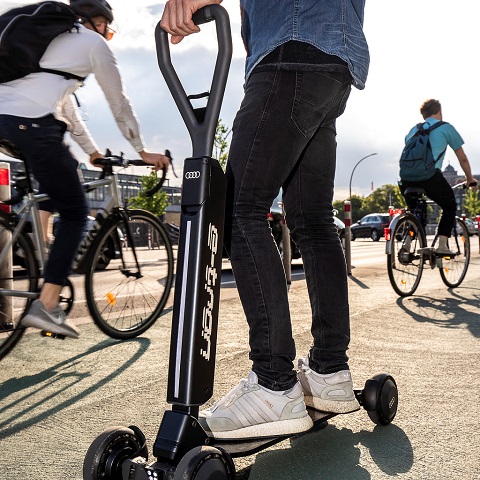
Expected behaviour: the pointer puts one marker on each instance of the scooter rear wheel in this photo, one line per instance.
(205, 463)
(110, 449)
(380, 398)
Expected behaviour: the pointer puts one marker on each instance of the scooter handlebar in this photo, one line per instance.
(202, 132)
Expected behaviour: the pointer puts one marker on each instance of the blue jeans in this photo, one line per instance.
(284, 136)
(40, 141)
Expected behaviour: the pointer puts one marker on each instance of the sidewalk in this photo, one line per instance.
(57, 396)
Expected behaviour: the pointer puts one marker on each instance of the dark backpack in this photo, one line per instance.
(26, 32)
(417, 162)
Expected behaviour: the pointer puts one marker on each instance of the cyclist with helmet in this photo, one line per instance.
(36, 111)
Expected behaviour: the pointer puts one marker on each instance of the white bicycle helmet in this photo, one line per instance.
(92, 8)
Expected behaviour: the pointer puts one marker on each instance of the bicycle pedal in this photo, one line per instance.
(6, 326)
(53, 335)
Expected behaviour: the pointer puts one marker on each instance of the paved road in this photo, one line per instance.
(57, 396)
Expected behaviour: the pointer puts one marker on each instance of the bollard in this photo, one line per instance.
(348, 222)
(478, 232)
(6, 275)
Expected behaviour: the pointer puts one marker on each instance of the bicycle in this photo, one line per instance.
(126, 286)
(407, 250)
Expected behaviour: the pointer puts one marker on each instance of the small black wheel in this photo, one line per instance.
(380, 398)
(375, 236)
(110, 449)
(205, 463)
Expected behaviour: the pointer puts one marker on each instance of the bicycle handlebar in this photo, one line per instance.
(464, 185)
(110, 160)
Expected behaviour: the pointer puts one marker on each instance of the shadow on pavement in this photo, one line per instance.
(31, 396)
(335, 453)
(445, 312)
(358, 282)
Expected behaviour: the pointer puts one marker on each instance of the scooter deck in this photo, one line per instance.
(249, 446)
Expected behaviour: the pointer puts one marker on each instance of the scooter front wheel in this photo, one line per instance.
(110, 449)
(205, 463)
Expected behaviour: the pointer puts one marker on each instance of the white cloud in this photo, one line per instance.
(419, 50)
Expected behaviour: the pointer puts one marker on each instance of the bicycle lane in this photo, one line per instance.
(57, 396)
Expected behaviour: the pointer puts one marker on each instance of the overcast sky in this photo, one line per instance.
(419, 49)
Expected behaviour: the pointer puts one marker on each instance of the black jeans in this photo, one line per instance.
(40, 141)
(284, 136)
(440, 191)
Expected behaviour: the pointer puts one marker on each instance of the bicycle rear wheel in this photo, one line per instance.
(454, 269)
(18, 279)
(123, 297)
(404, 262)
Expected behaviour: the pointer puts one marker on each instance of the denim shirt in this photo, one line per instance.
(333, 26)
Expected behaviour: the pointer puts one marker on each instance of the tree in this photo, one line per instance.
(382, 198)
(221, 145)
(472, 203)
(377, 202)
(156, 204)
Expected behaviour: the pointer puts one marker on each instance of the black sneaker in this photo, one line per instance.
(53, 321)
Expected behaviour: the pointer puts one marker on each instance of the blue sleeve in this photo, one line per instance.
(452, 136)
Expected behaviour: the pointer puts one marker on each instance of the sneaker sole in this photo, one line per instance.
(36, 322)
(332, 406)
(268, 429)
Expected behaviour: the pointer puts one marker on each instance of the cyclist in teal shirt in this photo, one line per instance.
(437, 188)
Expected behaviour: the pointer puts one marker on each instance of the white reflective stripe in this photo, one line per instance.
(256, 409)
(181, 319)
(239, 416)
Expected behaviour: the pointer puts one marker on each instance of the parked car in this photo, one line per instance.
(370, 226)
(276, 218)
(471, 227)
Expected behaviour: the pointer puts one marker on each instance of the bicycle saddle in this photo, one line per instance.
(414, 190)
(9, 149)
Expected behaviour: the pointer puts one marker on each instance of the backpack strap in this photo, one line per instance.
(420, 126)
(66, 75)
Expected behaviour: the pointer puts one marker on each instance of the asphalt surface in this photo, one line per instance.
(57, 396)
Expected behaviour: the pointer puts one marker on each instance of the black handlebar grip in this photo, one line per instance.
(204, 15)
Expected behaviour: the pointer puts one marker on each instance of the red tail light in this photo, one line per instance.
(386, 233)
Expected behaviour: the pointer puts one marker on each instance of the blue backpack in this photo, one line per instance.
(417, 162)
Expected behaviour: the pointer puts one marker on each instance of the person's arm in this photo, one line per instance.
(76, 126)
(78, 129)
(177, 17)
(108, 76)
(465, 164)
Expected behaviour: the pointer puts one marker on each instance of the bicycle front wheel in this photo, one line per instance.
(19, 274)
(404, 260)
(126, 294)
(453, 269)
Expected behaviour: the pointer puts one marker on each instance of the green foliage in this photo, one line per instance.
(472, 203)
(377, 202)
(221, 145)
(156, 204)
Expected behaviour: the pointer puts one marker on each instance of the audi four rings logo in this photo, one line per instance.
(191, 175)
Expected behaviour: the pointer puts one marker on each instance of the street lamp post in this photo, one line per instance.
(348, 256)
(351, 176)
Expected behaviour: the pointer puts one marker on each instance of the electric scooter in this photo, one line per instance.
(182, 449)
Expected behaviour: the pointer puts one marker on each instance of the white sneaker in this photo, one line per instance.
(331, 392)
(250, 411)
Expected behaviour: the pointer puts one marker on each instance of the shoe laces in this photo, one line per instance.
(242, 388)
